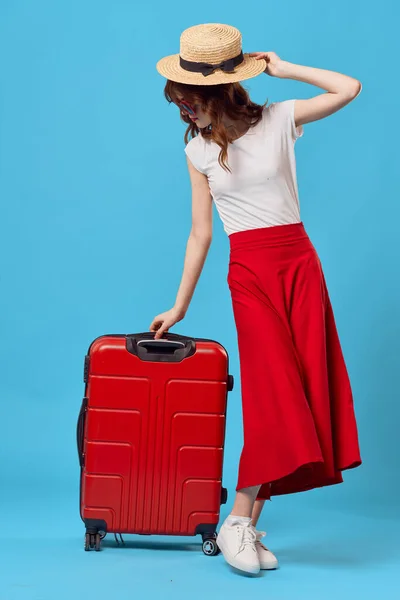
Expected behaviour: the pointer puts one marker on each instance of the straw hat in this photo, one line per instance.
(210, 54)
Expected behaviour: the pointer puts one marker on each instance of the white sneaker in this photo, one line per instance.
(237, 544)
(265, 556)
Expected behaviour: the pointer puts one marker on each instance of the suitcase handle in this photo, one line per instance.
(168, 349)
(80, 430)
(163, 346)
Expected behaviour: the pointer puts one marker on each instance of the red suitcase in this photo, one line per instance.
(150, 436)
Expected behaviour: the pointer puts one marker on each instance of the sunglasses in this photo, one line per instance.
(187, 108)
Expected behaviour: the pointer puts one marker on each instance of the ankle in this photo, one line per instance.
(237, 519)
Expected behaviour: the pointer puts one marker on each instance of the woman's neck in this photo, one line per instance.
(236, 128)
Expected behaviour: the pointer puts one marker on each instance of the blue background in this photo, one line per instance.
(95, 214)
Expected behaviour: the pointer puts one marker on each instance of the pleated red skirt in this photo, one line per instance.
(299, 424)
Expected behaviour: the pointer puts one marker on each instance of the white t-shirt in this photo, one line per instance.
(261, 190)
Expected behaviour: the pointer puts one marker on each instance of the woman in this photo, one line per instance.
(299, 424)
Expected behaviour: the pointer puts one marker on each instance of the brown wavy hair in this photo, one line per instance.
(230, 99)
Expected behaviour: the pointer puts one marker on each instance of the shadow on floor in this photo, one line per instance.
(148, 544)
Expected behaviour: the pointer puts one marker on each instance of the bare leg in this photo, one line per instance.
(244, 501)
(258, 506)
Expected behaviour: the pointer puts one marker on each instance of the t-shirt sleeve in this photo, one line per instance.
(195, 150)
(284, 113)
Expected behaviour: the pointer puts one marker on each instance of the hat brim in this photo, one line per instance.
(170, 68)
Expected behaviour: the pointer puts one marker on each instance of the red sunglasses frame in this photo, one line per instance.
(187, 107)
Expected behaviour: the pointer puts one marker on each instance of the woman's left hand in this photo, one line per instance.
(274, 63)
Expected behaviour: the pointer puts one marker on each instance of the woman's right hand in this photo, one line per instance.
(161, 323)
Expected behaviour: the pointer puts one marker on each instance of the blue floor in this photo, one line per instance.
(323, 554)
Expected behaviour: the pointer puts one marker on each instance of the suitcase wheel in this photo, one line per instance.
(93, 540)
(230, 383)
(210, 547)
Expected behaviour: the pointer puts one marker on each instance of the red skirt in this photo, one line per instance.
(299, 424)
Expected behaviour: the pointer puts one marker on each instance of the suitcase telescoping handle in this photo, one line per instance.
(80, 430)
(171, 348)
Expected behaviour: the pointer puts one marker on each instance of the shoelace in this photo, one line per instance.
(259, 535)
(247, 535)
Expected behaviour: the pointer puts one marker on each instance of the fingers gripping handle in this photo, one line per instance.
(171, 348)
